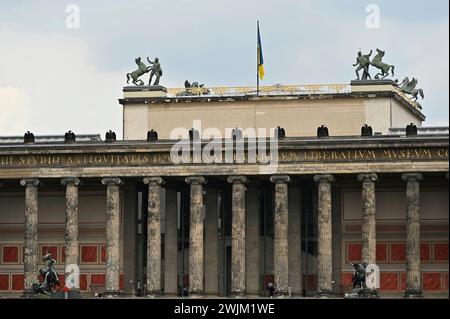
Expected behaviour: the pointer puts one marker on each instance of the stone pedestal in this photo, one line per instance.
(154, 236)
(31, 233)
(238, 235)
(112, 235)
(144, 91)
(196, 286)
(324, 241)
(136, 102)
(413, 275)
(71, 234)
(281, 252)
(368, 238)
(373, 85)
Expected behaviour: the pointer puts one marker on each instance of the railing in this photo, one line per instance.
(273, 90)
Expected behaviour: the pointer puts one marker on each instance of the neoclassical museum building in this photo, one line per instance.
(191, 202)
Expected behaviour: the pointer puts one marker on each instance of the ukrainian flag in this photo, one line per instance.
(260, 57)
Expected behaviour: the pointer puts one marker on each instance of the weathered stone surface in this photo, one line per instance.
(310, 156)
(196, 236)
(112, 234)
(393, 166)
(281, 252)
(72, 231)
(31, 233)
(368, 237)
(238, 235)
(154, 235)
(324, 240)
(413, 275)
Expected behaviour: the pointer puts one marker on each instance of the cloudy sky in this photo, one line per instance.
(54, 78)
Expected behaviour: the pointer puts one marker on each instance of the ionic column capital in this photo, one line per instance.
(70, 181)
(371, 177)
(195, 180)
(237, 179)
(112, 181)
(280, 179)
(30, 182)
(412, 177)
(324, 178)
(153, 181)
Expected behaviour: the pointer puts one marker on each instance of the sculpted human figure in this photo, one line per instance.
(359, 275)
(50, 275)
(363, 63)
(155, 71)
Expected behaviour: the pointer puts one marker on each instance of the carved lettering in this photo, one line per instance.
(239, 157)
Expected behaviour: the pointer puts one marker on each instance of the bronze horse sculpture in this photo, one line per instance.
(379, 64)
(142, 69)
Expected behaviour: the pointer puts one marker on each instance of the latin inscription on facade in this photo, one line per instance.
(301, 156)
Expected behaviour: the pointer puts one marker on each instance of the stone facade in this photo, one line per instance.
(250, 225)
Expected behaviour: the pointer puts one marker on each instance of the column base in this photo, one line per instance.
(111, 294)
(195, 294)
(359, 293)
(325, 294)
(31, 294)
(238, 294)
(413, 294)
(154, 294)
(282, 294)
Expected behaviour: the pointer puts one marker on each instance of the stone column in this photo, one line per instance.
(31, 233)
(171, 244)
(71, 234)
(413, 275)
(324, 240)
(281, 252)
(368, 238)
(196, 236)
(154, 236)
(112, 234)
(238, 235)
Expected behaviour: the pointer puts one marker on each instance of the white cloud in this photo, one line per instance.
(13, 106)
(71, 86)
(64, 91)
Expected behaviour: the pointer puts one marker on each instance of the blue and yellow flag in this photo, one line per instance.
(260, 57)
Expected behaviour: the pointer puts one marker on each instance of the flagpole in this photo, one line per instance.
(257, 57)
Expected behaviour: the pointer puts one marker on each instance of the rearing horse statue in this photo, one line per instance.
(142, 69)
(379, 64)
